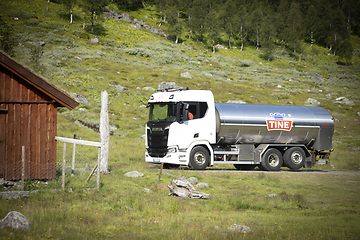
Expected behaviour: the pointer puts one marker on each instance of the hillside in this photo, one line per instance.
(130, 61)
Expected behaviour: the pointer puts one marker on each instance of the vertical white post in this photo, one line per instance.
(73, 158)
(98, 172)
(23, 167)
(63, 167)
(104, 133)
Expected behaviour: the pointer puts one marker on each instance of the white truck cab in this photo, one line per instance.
(180, 122)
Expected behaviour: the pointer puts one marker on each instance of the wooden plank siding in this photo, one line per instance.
(28, 117)
(30, 125)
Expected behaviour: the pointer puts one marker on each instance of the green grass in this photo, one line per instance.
(307, 206)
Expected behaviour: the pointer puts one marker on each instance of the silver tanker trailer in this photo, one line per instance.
(188, 128)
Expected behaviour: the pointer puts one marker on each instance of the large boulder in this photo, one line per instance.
(15, 220)
(345, 101)
(80, 98)
(181, 187)
(311, 101)
(239, 228)
(168, 85)
(186, 75)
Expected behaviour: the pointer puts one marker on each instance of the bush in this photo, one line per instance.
(139, 52)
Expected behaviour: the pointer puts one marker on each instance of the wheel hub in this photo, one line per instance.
(296, 158)
(199, 158)
(273, 160)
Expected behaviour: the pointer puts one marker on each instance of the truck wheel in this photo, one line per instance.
(272, 160)
(199, 158)
(244, 166)
(294, 158)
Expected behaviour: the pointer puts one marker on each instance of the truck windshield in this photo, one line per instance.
(163, 112)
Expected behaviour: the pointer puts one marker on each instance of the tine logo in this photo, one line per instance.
(278, 123)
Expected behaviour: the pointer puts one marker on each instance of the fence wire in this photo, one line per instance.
(80, 162)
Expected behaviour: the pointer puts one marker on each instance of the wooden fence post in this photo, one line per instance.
(104, 133)
(63, 167)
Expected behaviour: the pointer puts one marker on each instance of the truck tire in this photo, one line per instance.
(199, 158)
(272, 160)
(294, 158)
(244, 167)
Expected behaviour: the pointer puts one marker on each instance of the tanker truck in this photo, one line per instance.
(186, 127)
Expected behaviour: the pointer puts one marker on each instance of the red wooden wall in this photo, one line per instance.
(28, 117)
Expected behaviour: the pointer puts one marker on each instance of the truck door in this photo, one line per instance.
(193, 125)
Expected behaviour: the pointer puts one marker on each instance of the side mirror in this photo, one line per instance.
(185, 112)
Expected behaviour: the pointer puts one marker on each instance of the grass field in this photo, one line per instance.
(284, 205)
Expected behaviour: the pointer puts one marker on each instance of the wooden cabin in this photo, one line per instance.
(28, 117)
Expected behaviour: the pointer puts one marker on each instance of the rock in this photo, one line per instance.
(186, 75)
(239, 228)
(236, 102)
(147, 190)
(41, 43)
(168, 85)
(311, 101)
(80, 99)
(134, 174)
(15, 220)
(272, 195)
(149, 89)
(135, 26)
(344, 100)
(193, 180)
(125, 17)
(185, 193)
(94, 40)
(202, 185)
(219, 46)
(121, 88)
(358, 113)
(181, 187)
(14, 194)
(328, 95)
(183, 183)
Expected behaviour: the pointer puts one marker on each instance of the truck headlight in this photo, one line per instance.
(172, 150)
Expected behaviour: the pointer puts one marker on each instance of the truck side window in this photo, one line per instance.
(197, 109)
(203, 108)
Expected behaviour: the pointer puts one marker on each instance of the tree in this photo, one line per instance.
(345, 51)
(310, 22)
(256, 23)
(70, 5)
(173, 13)
(293, 27)
(212, 23)
(198, 13)
(229, 16)
(94, 8)
(338, 29)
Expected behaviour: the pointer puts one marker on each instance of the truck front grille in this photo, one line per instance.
(157, 142)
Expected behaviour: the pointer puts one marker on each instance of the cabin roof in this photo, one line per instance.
(57, 94)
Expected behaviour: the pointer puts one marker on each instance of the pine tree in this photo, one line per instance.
(293, 27)
(94, 8)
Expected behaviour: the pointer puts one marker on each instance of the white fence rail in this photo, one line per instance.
(80, 142)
